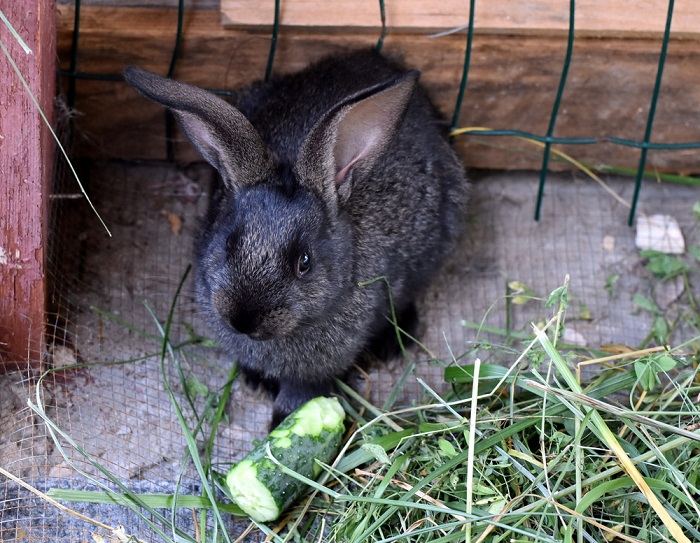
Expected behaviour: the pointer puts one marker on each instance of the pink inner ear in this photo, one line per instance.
(357, 146)
(342, 174)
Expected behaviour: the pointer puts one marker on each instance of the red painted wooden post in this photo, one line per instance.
(26, 161)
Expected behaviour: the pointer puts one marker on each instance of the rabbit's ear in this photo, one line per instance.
(351, 137)
(221, 133)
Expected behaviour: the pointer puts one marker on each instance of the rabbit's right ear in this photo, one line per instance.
(349, 140)
(221, 133)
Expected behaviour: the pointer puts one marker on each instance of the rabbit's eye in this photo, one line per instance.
(303, 264)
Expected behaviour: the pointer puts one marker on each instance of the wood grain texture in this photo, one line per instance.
(26, 159)
(512, 84)
(536, 17)
(190, 4)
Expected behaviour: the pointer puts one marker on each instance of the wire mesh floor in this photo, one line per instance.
(117, 408)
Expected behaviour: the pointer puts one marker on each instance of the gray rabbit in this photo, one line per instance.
(338, 181)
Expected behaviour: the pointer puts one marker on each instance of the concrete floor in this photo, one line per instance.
(119, 411)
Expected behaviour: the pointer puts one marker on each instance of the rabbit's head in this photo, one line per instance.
(278, 251)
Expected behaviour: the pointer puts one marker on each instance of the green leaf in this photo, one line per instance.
(696, 209)
(519, 292)
(498, 506)
(647, 369)
(536, 357)
(610, 283)
(559, 296)
(645, 374)
(377, 452)
(195, 388)
(694, 251)
(665, 362)
(208, 343)
(645, 303)
(596, 493)
(661, 330)
(585, 313)
(662, 265)
(465, 374)
(446, 448)
(483, 490)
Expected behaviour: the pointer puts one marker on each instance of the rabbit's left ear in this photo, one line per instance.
(351, 137)
(221, 133)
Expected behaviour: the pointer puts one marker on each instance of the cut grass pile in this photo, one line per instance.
(544, 468)
(515, 450)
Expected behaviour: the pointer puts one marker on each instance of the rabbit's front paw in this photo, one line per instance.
(384, 344)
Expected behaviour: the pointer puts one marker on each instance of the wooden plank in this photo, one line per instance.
(26, 159)
(534, 17)
(197, 4)
(512, 84)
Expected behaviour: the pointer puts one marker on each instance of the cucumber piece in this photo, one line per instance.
(313, 431)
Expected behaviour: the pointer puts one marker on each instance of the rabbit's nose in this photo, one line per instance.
(245, 322)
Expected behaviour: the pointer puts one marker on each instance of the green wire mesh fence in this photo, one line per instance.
(549, 139)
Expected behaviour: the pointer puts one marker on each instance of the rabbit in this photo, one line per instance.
(338, 184)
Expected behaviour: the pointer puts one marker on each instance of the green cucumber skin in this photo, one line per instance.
(299, 457)
(312, 432)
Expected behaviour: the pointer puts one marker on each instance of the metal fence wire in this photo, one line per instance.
(548, 139)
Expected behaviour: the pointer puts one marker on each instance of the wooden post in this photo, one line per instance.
(26, 163)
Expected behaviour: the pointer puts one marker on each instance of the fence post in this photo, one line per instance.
(26, 164)
(652, 112)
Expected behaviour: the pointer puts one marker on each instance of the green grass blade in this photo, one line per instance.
(150, 500)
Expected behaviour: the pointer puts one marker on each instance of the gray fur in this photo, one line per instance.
(346, 160)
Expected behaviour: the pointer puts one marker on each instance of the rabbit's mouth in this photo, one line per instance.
(260, 335)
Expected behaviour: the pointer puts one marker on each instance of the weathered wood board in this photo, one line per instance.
(512, 83)
(602, 18)
(26, 161)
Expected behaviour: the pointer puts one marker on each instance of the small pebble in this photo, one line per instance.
(660, 233)
(573, 337)
(609, 243)
(63, 356)
(123, 431)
